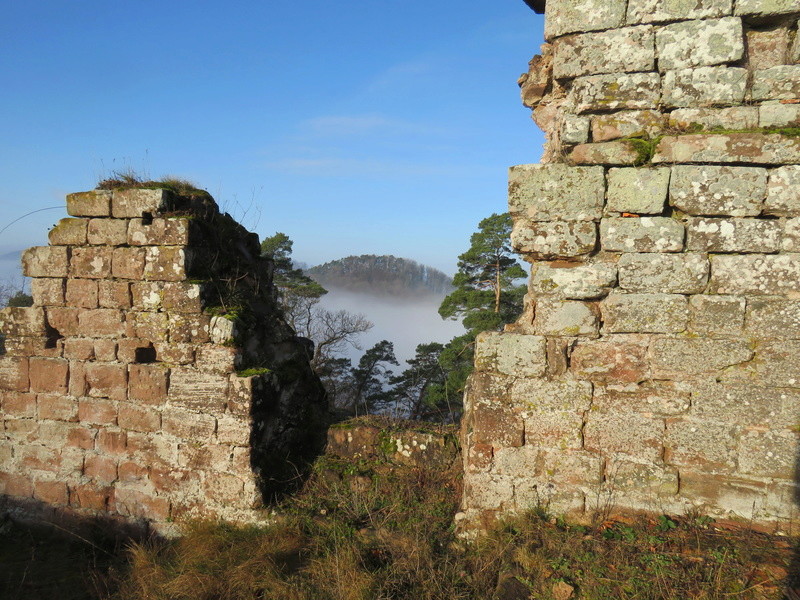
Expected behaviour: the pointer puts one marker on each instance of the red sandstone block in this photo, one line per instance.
(153, 326)
(135, 203)
(22, 321)
(184, 328)
(133, 503)
(77, 379)
(47, 291)
(64, 320)
(82, 293)
(51, 492)
(19, 486)
(114, 442)
(167, 263)
(91, 263)
(114, 294)
(97, 412)
(102, 469)
(90, 497)
(96, 203)
(205, 456)
(170, 479)
(81, 437)
(21, 431)
(610, 361)
(107, 232)
(497, 426)
(188, 425)
(161, 232)
(101, 322)
(178, 354)
(183, 297)
(34, 346)
(128, 263)
(79, 349)
(14, 374)
(131, 472)
(16, 404)
(45, 261)
(68, 232)
(39, 458)
(105, 350)
(134, 350)
(107, 380)
(479, 457)
(138, 418)
(147, 295)
(148, 383)
(49, 375)
(151, 449)
(57, 407)
(218, 359)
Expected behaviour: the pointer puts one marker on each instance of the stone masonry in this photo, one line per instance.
(657, 364)
(125, 388)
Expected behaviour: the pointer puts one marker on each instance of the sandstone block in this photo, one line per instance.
(634, 477)
(204, 457)
(791, 235)
(559, 430)
(49, 375)
(160, 232)
(107, 232)
(217, 359)
(81, 437)
(234, 430)
(704, 86)
(754, 148)
(569, 16)
(101, 469)
(572, 468)
(96, 203)
(101, 322)
(701, 444)
(614, 358)
(665, 273)
(655, 11)
(130, 472)
(700, 43)
(697, 119)
(627, 123)
(746, 405)
(535, 84)
(776, 365)
(619, 152)
(556, 192)
(575, 130)
(114, 294)
(512, 461)
(222, 331)
(63, 320)
(756, 274)
(779, 115)
(633, 91)
(622, 50)
(14, 374)
(147, 295)
(767, 48)
(511, 354)
(765, 7)
(646, 234)
(497, 426)
(148, 383)
(107, 380)
(198, 390)
(47, 291)
(17, 404)
(22, 321)
(105, 350)
(645, 313)
(45, 261)
(184, 328)
(783, 192)
(663, 398)
(565, 318)
(773, 318)
(128, 263)
(97, 412)
(556, 239)
(111, 441)
(91, 263)
(90, 497)
(777, 83)
(136, 203)
(682, 357)
(51, 492)
(82, 293)
(153, 326)
(225, 489)
(138, 418)
(716, 315)
(733, 235)
(573, 281)
(38, 458)
(542, 395)
(167, 263)
(735, 497)
(77, 379)
(630, 434)
(638, 191)
(768, 454)
(68, 232)
(182, 297)
(179, 354)
(133, 503)
(169, 480)
(716, 190)
(188, 425)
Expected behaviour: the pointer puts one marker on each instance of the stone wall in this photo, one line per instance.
(153, 378)
(657, 364)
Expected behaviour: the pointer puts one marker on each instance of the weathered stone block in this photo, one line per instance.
(619, 152)
(234, 430)
(779, 115)
(542, 395)
(133, 503)
(47, 291)
(638, 191)
(575, 130)
(783, 192)
(569, 16)
(734, 235)
(497, 426)
(622, 50)
(17, 404)
(777, 83)
(556, 239)
(631, 434)
(565, 318)
(22, 321)
(107, 232)
(756, 274)
(188, 425)
(114, 294)
(700, 43)
(14, 374)
(746, 405)
(613, 358)
(615, 92)
(82, 293)
(182, 297)
(573, 281)
(90, 497)
(148, 383)
(628, 123)
(138, 418)
(38, 458)
(510, 354)
(704, 86)
(185, 327)
(682, 357)
(716, 315)
(77, 378)
(656, 11)
(159, 232)
(697, 119)
(96, 203)
(48, 375)
(715, 190)
(197, 390)
(135, 203)
(513, 461)
(753, 148)
(645, 313)
(167, 263)
(45, 261)
(776, 364)
(556, 192)
(68, 232)
(773, 318)
(561, 430)
(101, 322)
(128, 263)
(218, 359)
(572, 468)
(667, 273)
(701, 444)
(63, 319)
(634, 478)
(101, 469)
(179, 354)
(767, 48)
(791, 235)
(665, 398)
(105, 350)
(647, 234)
(107, 381)
(153, 326)
(147, 295)
(765, 7)
(51, 492)
(91, 263)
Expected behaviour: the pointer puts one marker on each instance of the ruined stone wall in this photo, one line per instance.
(153, 377)
(657, 363)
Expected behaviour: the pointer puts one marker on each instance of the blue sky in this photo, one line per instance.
(354, 127)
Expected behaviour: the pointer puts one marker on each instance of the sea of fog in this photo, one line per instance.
(404, 322)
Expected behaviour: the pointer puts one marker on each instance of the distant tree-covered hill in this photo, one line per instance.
(382, 276)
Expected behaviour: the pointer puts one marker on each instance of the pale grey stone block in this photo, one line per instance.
(530, 395)
(791, 235)
(779, 115)
(578, 282)
(511, 354)
(556, 192)
(701, 444)
(657, 11)
(766, 7)
(565, 318)
(755, 274)
(710, 190)
(734, 117)
(667, 273)
(704, 86)
(575, 130)
(679, 357)
(570, 16)
(716, 315)
(645, 313)
(554, 239)
(746, 147)
(777, 83)
(700, 43)
(734, 235)
(615, 92)
(638, 191)
(624, 50)
(645, 234)
(747, 405)
(776, 364)
(768, 454)
(773, 318)
(783, 192)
